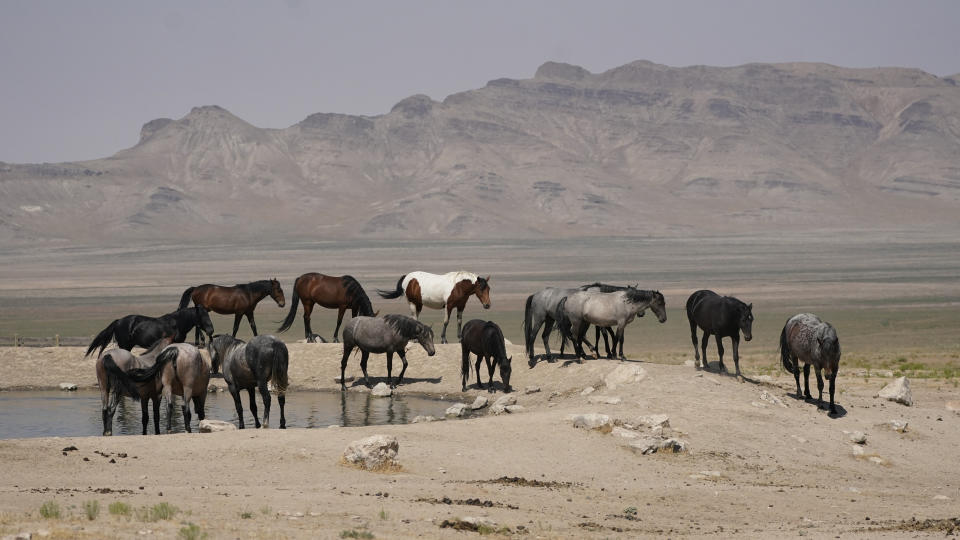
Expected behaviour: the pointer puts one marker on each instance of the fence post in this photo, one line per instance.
(56, 340)
(16, 340)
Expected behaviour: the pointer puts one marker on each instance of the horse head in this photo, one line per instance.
(276, 292)
(505, 373)
(204, 322)
(425, 339)
(829, 348)
(482, 290)
(659, 306)
(746, 321)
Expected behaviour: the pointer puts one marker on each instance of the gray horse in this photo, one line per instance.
(113, 387)
(583, 308)
(388, 334)
(249, 366)
(539, 311)
(805, 338)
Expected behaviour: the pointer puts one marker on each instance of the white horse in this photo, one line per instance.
(581, 309)
(439, 291)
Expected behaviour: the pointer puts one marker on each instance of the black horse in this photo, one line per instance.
(143, 331)
(722, 316)
(484, 339)
(249, 366)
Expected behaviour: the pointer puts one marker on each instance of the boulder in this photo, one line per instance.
(479, 403)
(587, 391)
(531, 390)
(605, 400)
(508, 399)
(68, 387)
(624, 374)
(898, 390)
(423, 418)
(374, 452)
(591, 421)
(381, 390)
(653, 420)
(457, 409)
(512, 409)
(212, 426)
(652, 445)
(625, 433)
(858, 437)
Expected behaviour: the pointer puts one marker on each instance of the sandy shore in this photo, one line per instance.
(753, 467)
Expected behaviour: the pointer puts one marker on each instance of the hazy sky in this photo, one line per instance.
(78, 79)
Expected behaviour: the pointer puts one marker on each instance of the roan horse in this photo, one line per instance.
(484, 339)
(330, 292)
(388, 334)
(180, 370)
(113, 388)
(446, 291)
(805, 338)
(248, 366)
(580, 309)
(722, 316)
(239, 300)
(139, 330)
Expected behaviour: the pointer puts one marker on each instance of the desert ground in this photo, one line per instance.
(757, 461)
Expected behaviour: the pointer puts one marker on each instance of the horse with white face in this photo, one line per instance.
(441, 291)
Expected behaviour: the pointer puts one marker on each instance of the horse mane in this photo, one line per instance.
(461, 275)
(261, 286)
(639, 295)
(741, 305)
(500, 345)
(604, 288)
(405, 327)
(359, 300)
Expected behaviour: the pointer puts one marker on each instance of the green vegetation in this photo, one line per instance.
(119, 509)
(353, 533)
(384, 515)
(246, 515)
(50, 510)
(157, 512)
(191, 532)
(91, 509)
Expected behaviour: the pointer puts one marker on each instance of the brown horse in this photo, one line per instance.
(238, 300)
(112, 388)
(445, 291)
(330, 292)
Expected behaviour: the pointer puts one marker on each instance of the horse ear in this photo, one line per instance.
(750, 306)
(488, 279)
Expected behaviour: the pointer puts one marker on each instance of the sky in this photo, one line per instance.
(79, 79)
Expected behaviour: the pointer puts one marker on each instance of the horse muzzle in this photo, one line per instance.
(748, 338)
(486, 306)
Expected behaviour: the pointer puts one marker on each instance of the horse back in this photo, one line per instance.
(713, 313)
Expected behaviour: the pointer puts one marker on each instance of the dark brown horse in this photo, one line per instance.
(722, 316)
(484, 339)
(238, 300)
(444, 291)
(331, 292)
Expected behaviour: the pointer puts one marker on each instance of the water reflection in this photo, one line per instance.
(74, 414)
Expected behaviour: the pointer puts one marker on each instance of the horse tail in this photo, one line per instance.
(281, 360)
(564, 325)
(185, 298)
(293, 309)
(145, 374)
(359, 301)
(785, 352)
(103, 338)
(118, 379)
(393, 294)
(527, 324)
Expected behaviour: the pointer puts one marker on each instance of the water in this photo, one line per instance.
(77, 414)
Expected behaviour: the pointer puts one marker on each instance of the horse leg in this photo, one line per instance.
(547, 328)
(253, 406)
(806, 382)
(282, 400)
(796, 374)
(185, 408)
(491, 365)
(265, 395)
(105, 396)
(390, 368)
(459, 322)
(403, 357)
(705, 364)
(235, 393)
(816, 371)
(156, 414)
(621, 347)
(696, 351)
(144, 414)
(364, 355)
(720, 368)
(833, 380)
(253, 324)
(307, 310)
(347, 349)
(199, 401)
(168, 396)
(339, 320)
(236, 323)
(736, 356)
(617, 339)
(464, 367)
(446, 321)
(477, 368)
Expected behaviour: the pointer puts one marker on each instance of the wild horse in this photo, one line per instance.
(578, 310)
(484, 339)
(388, 334)
(249, 366)
(805, 338)
(113, 388)
(239, 300)
(142, 331)
(446, 291)
(722, 316)
(331, 292)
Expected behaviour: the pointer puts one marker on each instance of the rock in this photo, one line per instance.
(624, 374)
(508, 399)
(857, 450)
(374, 452)
(898, 391)
(941, 498)
(212, 389)
(423, 418)
(212, 426)
(479, 521)
(605, 400)
(900, 426)
(531, 390)
(512, 409)
(68, 387)
(770, 398)
(587, 391)
(479, 403)
(689, 363)
(18, 536)
(591, 421)
(673, 445)
(457, 409)
(799, 439)
(381, 390)
(858, 437)
(653, 420)
(652, 445)
(953, 406)
(624, 433)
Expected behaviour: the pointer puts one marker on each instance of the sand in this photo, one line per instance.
(752, 468)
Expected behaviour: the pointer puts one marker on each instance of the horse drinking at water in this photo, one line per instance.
(330, 292)
(248, 366)
(239, 300)
(484, 339)
(180, 370)
(112, 388)
(388, 334)
(450, 290)
(142, 331)
(805, 338)
(583, 308)
(722, 316)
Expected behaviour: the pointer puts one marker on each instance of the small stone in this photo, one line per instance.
(68, 387)
(689, 363)
(857, 450)
(897, 391)
(953, 406)
(513, 409)
(653, 420)
(941, 498)
(531, 390)
(423, 418)
(900, 426)
(372, 452)
(508, 399)
(858, 437)
(479, 521)
(587, 391)
(479, 403)
(212, 426)
(605, 400)
(298, 514)
(457, 409)
(799, 439)
(591, 421)
(381, 390)
(768, 397)
(877, 459)
(624, 374)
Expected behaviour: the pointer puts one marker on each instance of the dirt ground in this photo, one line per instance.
(758, 462)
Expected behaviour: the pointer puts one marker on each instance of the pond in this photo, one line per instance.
(77, 414)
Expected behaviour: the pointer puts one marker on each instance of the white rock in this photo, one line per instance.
(624, 374)
(898, 391)
(479, 403)
(513, 409)
(587, 391)
(858, 437)
(953, 406)
(478, 521)
(606, 400)
(423, 418)
(590, 421)
(900, 426)
(799, 439)
(876, 459)
(770, 398)
(653, 420)
(457, 409)
(212, 426)
(68, 387)
(531, 390)
(689, 363)
(941, 498)
(857, 450)
(508, 399)
(624, 433)
(673, 445)
(381, 390)
(372, 452)
(652, 445)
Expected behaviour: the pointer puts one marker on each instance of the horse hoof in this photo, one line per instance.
(740, 378)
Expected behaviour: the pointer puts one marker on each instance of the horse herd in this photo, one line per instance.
(171, 367)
